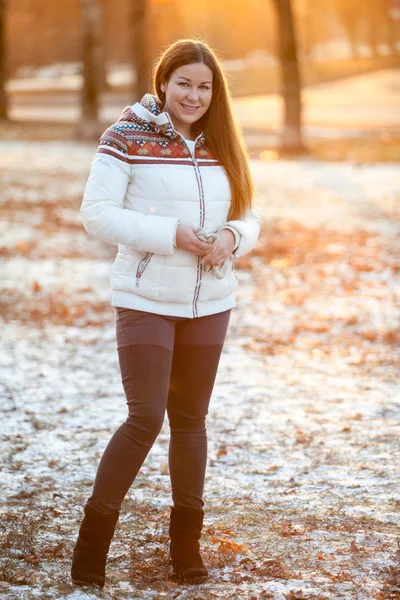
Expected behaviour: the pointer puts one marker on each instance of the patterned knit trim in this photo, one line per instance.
(153, 104)
(135, 160)
(134, 136)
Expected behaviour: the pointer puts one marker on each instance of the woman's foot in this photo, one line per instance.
(185, 531)
(90, 552)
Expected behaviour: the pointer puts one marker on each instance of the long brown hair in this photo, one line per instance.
(222, 132)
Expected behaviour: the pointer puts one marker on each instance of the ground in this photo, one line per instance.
(302, 489)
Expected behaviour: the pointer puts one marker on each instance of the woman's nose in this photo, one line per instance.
(192, 95)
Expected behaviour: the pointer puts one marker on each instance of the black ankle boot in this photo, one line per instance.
(185, 531)
(91, 548)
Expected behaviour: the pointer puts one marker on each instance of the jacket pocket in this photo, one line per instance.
(142, 266)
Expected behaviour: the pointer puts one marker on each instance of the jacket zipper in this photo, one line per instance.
(202, 216)
(142, 266)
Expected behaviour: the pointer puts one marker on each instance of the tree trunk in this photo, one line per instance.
(308, 27)
(373, 14)
(392, 23)
(102, 70)
(291, 139)
(141, 48)
(3, 76)
(89, 127)
(350, 20)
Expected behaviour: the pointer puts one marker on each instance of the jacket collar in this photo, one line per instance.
(148, 111)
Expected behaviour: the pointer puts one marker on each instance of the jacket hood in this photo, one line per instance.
(148, 113)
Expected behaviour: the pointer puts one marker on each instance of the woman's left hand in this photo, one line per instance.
(220, 249)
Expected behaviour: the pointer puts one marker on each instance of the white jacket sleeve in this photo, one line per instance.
(248, 230)
(104, 216)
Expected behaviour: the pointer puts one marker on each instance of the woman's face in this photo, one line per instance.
(189, 86)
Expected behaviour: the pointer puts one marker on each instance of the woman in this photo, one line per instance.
(171, 186)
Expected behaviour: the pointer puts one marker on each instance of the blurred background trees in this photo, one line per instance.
(372, 24)
(92, 68)
(42, 32)
(291, 86)
(3, 95)
(141, 48)
(114, 44)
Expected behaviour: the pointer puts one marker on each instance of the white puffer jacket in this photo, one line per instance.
(143, 182)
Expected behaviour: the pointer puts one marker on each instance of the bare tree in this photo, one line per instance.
(291, 139)
(370, 22)
(89, 127)
(142, 62)
(381, 27)
(350, 19)
(3, 76)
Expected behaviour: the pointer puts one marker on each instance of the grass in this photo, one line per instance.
(315, 257)
(380, 148)
(243, 542)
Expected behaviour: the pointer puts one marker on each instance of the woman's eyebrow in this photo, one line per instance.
(181, 77)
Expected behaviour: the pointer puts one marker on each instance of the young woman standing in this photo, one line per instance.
(171, 186)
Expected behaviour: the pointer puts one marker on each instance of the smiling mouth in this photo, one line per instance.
(189, 109)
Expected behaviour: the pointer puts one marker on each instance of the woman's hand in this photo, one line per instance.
(186, 239)
(220, 250)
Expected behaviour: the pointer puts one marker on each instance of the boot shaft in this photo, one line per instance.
(186, 521)
(90, 552)
(185, 531)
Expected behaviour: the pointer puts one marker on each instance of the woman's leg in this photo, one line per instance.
(145, 343)
(197, 350)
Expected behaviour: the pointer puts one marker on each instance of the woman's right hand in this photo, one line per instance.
(186, 239)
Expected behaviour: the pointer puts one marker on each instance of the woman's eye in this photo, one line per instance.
(203, 86)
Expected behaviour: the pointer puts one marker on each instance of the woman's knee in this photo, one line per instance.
(185, 422)
(144, 428)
